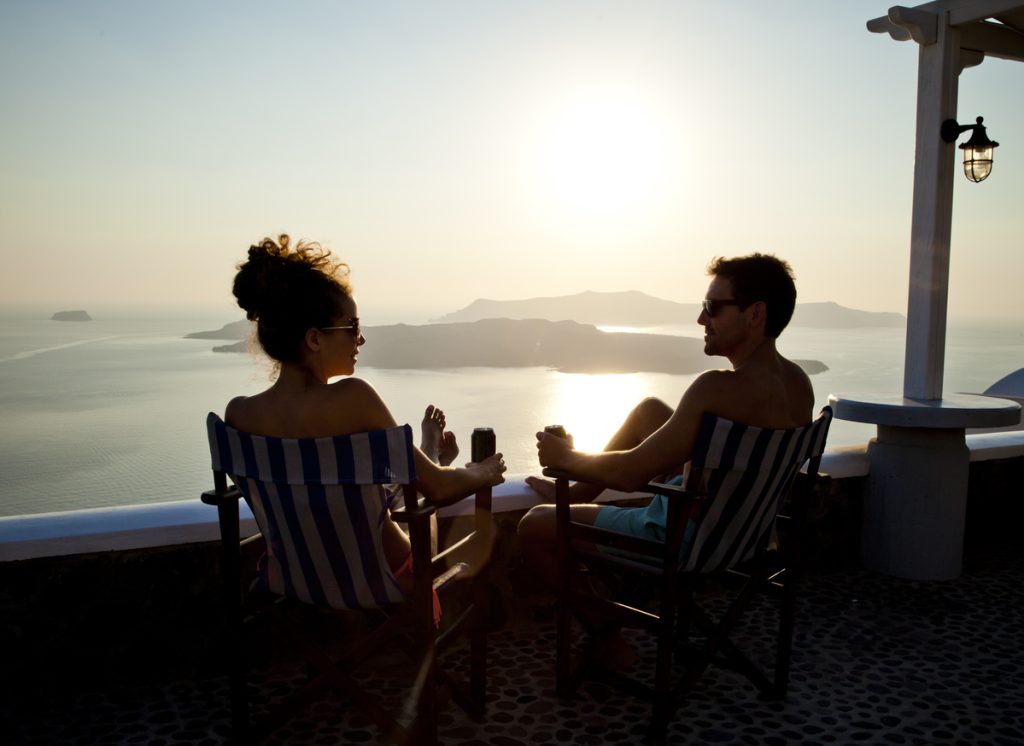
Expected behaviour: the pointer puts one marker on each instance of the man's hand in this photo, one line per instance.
(553, 451)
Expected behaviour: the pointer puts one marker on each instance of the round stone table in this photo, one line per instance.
(915, 498)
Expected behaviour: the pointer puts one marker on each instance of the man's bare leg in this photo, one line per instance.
(537, 534)
(646, 417)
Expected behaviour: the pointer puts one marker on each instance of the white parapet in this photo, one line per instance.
(188, 521)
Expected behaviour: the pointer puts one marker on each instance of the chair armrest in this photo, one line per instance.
(421, 510)
(215, 497)
(658, 488)
(673, 491)
(559, 474)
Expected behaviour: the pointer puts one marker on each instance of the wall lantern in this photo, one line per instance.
(977, 150)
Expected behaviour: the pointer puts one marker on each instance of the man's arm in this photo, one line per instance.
(669, 447)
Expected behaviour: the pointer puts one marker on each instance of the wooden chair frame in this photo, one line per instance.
(410, 625)
(773, 570)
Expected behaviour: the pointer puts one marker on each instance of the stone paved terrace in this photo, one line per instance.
(877, 660)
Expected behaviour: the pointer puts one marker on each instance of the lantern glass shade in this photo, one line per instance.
(977, 162)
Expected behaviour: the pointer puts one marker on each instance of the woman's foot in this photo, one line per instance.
(449, 448)
(432, 431)
(439, 445)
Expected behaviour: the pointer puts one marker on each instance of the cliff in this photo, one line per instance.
(633, 308)
(507, 343)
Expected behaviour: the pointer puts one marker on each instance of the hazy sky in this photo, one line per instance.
(456, 150)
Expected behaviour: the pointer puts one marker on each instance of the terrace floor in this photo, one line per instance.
(876, 660)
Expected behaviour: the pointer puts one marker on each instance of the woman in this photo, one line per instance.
(308, 323)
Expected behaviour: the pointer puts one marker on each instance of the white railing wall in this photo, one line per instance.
(189, 521)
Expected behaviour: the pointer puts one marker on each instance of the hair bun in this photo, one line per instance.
(263, 277)
(288, 290)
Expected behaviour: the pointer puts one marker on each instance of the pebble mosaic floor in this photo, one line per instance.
(876, 661)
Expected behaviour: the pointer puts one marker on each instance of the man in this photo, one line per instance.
(748, 304)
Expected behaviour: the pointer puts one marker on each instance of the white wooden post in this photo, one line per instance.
(934, 164)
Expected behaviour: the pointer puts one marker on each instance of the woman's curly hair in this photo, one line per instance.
(287, 291)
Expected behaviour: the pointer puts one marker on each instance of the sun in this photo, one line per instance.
(601, 151)
(591, 426)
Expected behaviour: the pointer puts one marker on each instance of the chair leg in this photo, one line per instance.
(237, 681)
(478, 647)
(425, 726)
(664, 698)
(717, 638)
(563, 613)
(426, 716)
(783, 655)
(231, 584)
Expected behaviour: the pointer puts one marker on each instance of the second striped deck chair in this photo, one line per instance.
(725, 519)
(319, 505)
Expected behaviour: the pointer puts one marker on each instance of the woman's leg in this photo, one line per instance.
(396, 544)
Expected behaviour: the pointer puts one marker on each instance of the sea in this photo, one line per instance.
(112, 411)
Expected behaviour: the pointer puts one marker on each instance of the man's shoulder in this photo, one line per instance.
(753, 393)
(712, 385)
(798, 379)
(717, 379)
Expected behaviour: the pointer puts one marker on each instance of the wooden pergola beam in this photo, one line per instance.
(978, 34)
(993, 40)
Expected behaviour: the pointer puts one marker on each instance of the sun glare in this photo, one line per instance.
(591, 407)
(601, 152)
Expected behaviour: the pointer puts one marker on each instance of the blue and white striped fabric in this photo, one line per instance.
(747, 472)
(320, 505)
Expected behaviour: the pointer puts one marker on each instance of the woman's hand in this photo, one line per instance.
(490, 470)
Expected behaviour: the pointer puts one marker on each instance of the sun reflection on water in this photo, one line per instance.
(592, 406)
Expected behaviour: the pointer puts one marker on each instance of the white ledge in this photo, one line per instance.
(174, 523)
(190, 521)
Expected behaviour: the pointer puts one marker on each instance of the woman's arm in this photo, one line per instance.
(446, 483)
(437, 483)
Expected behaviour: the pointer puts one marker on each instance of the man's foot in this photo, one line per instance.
(543, 487)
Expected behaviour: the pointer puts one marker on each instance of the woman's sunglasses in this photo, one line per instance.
(352, 327)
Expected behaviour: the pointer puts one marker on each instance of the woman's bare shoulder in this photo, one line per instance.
(351, 392)
(237, 410)
(359, 401)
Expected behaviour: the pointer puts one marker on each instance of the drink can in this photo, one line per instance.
(557, 430)
(483, 443)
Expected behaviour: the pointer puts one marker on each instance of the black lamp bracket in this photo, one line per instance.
(951, 129)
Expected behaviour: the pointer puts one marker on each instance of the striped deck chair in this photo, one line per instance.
(319, 505)
(725, 521)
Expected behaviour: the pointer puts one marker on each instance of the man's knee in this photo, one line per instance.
(650, 414)
(538, 524)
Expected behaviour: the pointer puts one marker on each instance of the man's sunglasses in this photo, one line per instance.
(352, 327)
(712, 306)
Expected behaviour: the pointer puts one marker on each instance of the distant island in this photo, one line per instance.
(71, 316)
(633, 308)
(234, 330)
(567, 346)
